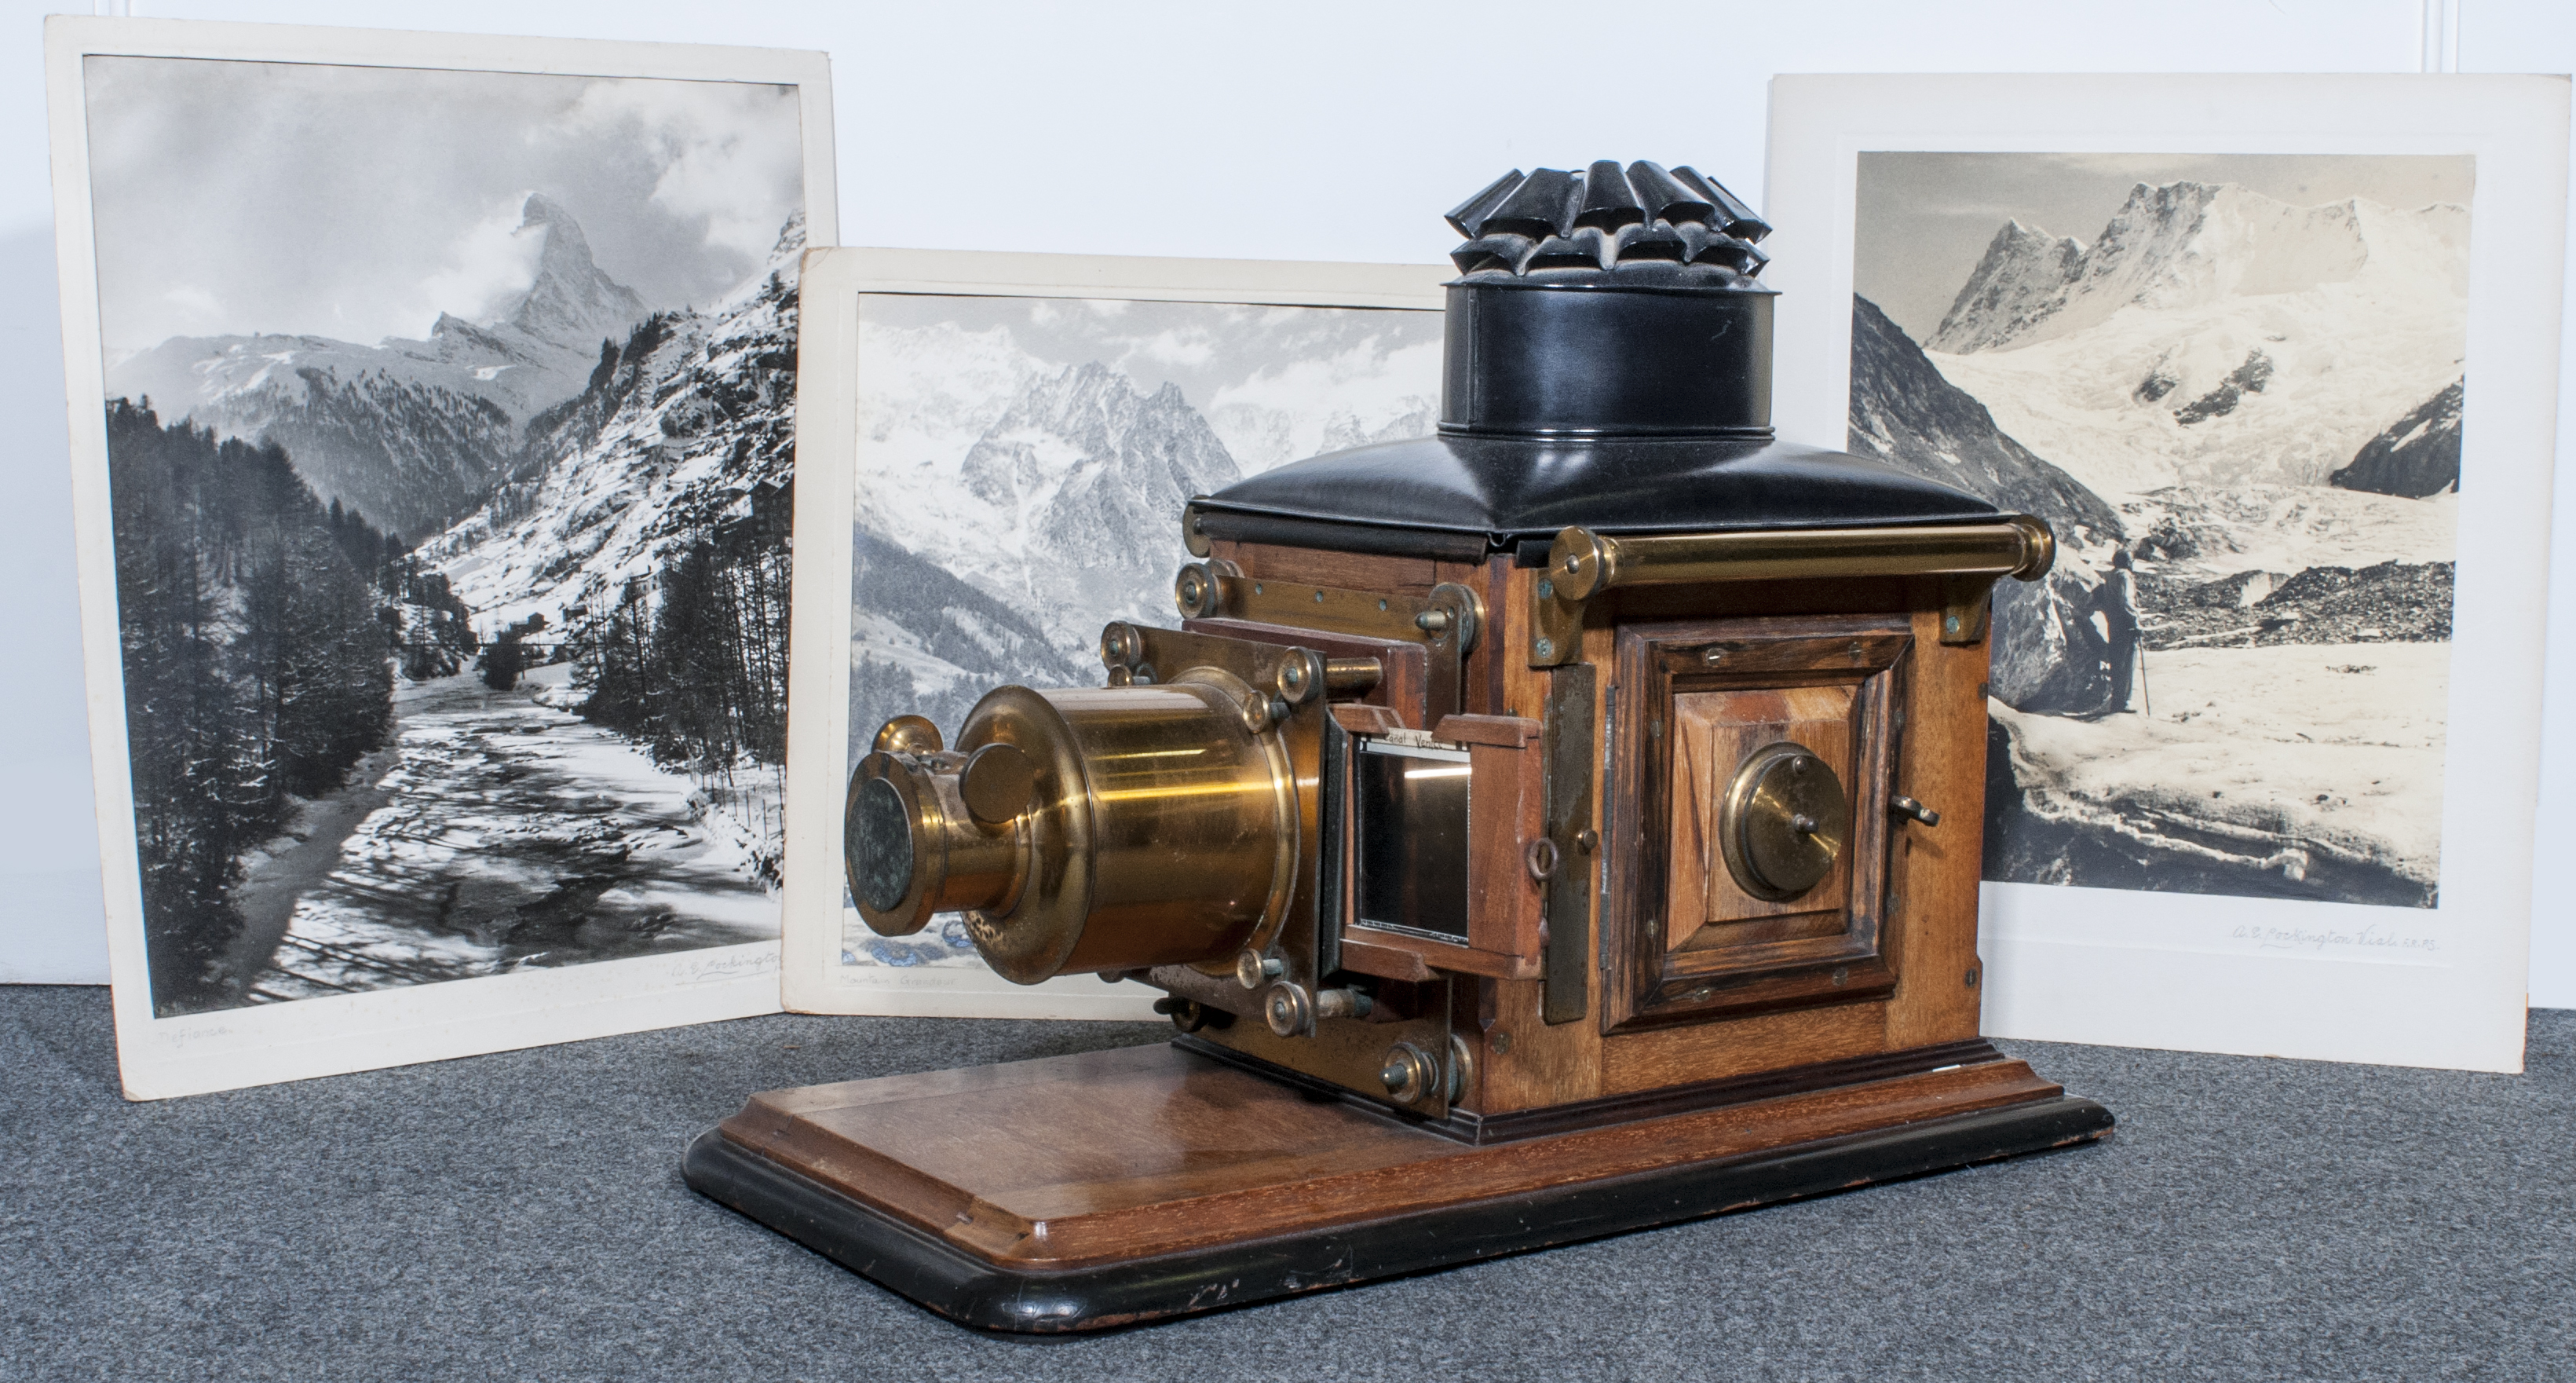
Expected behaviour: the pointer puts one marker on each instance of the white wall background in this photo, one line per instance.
(1331, 129)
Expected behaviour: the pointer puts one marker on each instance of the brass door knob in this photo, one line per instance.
(1784, 823)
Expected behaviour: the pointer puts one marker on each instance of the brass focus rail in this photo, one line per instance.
(1583, 564)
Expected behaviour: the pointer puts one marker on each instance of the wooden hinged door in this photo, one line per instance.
(1685, 937)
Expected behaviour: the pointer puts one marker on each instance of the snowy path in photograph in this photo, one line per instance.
(513, 834)
(2302, 770)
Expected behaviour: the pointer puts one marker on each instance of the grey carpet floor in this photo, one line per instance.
(522, 1216)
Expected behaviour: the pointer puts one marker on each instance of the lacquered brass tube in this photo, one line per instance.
(1583, 563)
(1119, 828)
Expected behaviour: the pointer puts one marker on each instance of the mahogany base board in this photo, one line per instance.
(1112, 1188)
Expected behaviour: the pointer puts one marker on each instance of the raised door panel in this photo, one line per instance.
(1686, 937)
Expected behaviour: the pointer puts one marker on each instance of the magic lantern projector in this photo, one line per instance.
(1563, 824)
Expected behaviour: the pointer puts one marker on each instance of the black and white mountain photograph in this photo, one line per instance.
(2233, 385)
(449, 437)
(1022, 466)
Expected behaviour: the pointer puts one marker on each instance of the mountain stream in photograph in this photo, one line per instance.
(553, 731)
(503, 831)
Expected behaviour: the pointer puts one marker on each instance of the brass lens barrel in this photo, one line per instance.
(1160, 828)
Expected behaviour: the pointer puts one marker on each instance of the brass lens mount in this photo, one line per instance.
(1784, 822)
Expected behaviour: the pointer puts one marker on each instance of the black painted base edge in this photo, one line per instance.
(976, 1292)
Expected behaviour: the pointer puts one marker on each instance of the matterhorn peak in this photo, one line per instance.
(564, 241)
(571, 303)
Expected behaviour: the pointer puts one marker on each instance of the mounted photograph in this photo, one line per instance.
(446, 422)
(2275, 358)
(1018, 451)
(2236, 396)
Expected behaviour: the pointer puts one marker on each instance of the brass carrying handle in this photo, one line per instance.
(1582, 563)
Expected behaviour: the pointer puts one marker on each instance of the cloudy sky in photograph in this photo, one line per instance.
(361, 202)
(1923, 220)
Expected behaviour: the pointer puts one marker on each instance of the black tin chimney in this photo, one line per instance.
(1608, 365)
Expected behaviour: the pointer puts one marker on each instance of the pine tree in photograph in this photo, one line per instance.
(696, 665)
(256, 670)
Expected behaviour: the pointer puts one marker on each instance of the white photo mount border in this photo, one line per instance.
(835, 284)
(2066, 964)
(233, 1048)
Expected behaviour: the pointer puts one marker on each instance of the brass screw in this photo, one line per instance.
(1713, 657)
(1546, 649)
(1546, 589)
(1252, 969)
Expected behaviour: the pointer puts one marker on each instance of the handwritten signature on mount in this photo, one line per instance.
(738, 965)
(2320, 939)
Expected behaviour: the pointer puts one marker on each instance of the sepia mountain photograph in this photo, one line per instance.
(1022, 466)
(449, 421)
(2233, 386)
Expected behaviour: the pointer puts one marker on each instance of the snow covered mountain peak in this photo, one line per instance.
(1088, 426)
(684, 430)
(2182, 245)
(2212, 335)
(2021, 281)
(571, 303)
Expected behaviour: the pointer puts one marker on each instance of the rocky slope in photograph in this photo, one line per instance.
(2211, 335)
(2049, 655)
(683, 425)
(924, 642)
(2392, 601)
(411, 433)
(2417, 457)
(1904, 411)
(1079, 468)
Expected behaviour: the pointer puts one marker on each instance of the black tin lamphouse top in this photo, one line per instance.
(1607, 363)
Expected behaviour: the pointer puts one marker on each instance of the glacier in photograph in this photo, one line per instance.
(462, 652)
(1022, 466)
(2241, 413)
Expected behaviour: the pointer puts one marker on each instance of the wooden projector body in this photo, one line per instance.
(1562, 825)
